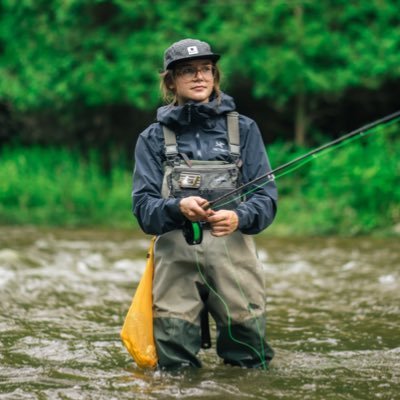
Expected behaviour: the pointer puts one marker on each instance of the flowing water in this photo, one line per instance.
(333, 308)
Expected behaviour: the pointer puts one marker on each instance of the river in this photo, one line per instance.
(333, 309)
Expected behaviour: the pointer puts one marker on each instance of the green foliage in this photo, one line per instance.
(351, 190)
(108, 52)
(57, 187)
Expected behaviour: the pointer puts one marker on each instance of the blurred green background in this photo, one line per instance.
(79, 82)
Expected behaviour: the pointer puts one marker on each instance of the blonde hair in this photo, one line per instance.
(167, 80)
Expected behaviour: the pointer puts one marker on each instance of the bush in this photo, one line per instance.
(54, 186)
(353, 189)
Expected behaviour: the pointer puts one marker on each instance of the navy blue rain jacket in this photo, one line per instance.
(201, 132)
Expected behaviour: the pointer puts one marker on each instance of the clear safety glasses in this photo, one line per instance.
(189, 72)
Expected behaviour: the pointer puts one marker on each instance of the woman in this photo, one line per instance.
(183, 161)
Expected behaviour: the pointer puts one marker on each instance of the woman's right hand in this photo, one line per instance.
(193, 208)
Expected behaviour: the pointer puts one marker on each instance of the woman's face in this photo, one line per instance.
(194, 80)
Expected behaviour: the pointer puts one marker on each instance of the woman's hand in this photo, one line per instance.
(223, 222)
(193, 208)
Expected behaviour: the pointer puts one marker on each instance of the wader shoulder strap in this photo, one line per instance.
(233, 133)
(171, 148)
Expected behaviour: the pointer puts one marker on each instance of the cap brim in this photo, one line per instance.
(213, 57)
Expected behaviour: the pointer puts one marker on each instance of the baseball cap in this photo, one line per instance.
(188, 49)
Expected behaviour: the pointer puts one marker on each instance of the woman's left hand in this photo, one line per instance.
(223, 222)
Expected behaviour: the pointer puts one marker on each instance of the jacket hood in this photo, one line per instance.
(193, 112)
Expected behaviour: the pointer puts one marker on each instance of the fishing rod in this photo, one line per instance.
(270, 174)
(193, 230)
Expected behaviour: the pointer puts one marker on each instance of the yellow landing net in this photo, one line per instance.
(137, 331)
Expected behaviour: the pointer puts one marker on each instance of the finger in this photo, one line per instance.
(219, 233)
(220, 229)
(217, 218)
(200, 212)
(204, 204)
(200, 201)
(210, 212)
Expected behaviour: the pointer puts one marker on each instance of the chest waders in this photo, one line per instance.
(220, 276)
(208, 179)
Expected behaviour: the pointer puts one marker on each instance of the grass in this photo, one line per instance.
(57, 187)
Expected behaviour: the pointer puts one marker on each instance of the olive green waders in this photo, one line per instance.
(226, 275)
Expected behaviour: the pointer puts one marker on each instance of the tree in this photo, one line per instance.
(72, 54)
(299, 51)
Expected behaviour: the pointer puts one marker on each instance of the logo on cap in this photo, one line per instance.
(193, 50)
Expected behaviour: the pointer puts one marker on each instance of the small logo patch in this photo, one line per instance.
(192, 50)
(189, 180)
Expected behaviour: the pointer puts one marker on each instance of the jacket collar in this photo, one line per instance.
(193, 112)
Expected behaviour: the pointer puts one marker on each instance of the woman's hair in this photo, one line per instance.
(167, 79)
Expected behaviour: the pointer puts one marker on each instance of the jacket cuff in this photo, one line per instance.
(242, 219)
(173, 210)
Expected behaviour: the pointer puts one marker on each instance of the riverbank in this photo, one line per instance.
(351, 191)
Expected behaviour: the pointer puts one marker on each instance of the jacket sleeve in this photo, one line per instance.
(154, 214)
(259, 209)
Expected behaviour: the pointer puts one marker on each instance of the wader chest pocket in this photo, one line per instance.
(207, 179)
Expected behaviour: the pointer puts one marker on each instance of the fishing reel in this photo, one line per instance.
(193, 232)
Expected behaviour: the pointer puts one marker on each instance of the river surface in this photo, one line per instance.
(333, 309)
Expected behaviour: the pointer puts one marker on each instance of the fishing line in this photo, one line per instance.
(249, 309)
(228, 314)
(305, 159)
(288, 171)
